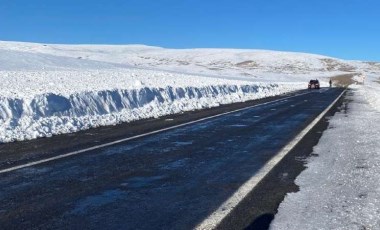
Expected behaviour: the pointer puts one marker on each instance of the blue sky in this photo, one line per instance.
(347, 29)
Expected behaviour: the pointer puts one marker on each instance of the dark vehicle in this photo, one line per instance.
(314, 84)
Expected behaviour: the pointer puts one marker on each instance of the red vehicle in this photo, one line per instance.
(313, 84)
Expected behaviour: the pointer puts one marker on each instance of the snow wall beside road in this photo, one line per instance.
(50, 114)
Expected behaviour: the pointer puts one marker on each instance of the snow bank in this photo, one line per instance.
(40, 104)
(340, 187)
(371, 90)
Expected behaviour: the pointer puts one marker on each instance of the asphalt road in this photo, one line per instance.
(170, 180)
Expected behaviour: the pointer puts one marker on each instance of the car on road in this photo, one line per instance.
(314, 84)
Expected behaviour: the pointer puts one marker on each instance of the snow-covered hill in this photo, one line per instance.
(51, 89)
(216, 62)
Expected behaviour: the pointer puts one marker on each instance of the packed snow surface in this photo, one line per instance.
(340, 189)
(50, 89)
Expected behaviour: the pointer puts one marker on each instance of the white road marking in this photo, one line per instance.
(212, 221)
(137, 136)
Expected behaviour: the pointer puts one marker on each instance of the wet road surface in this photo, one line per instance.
(169, 180)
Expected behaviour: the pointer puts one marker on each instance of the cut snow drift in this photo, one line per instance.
(50, 114)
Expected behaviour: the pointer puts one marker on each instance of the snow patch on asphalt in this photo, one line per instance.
(97, 201)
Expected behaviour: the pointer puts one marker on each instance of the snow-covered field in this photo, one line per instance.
(340, 189)
(52, 89)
